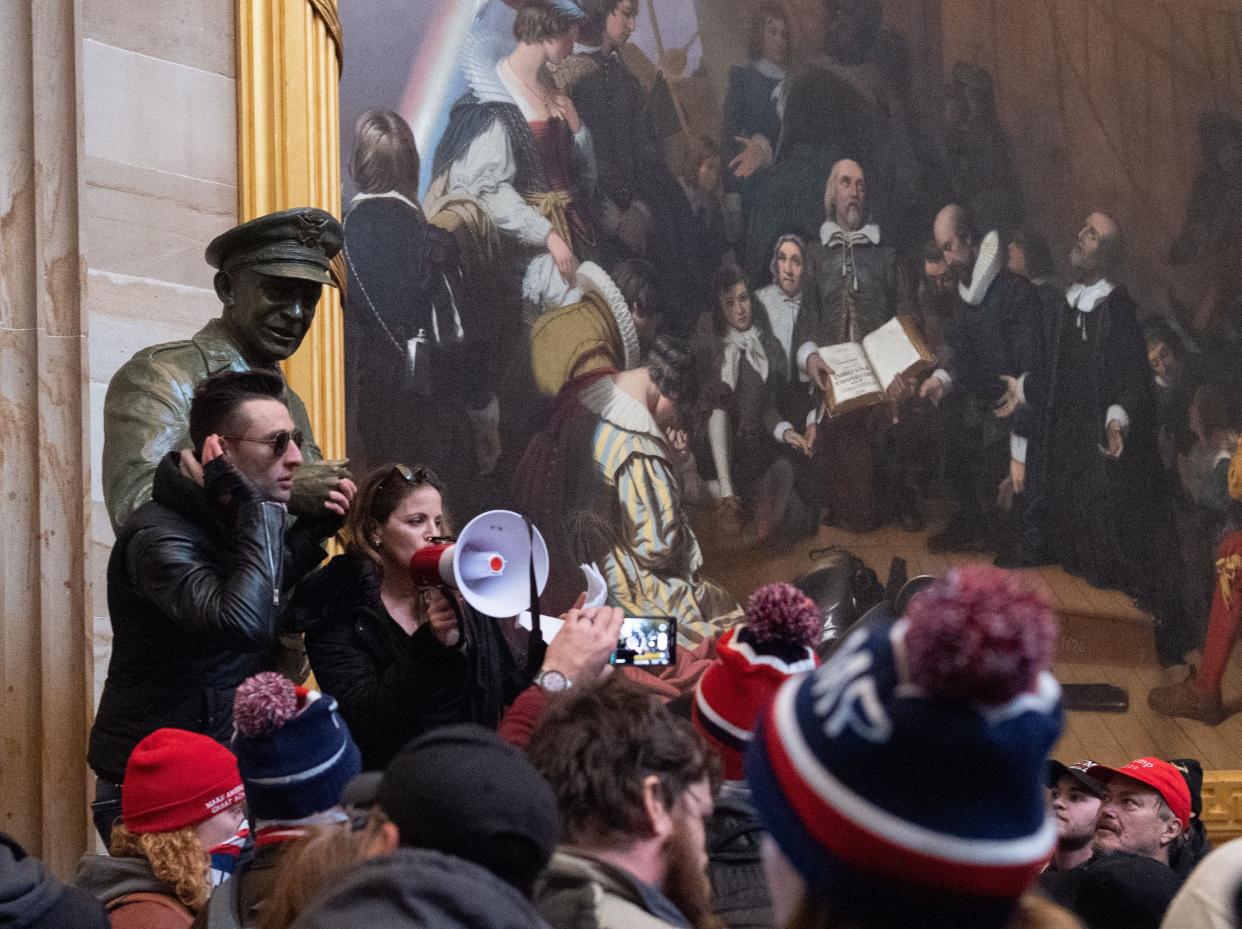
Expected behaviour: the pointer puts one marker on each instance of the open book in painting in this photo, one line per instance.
(862, 372)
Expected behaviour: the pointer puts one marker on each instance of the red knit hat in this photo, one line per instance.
(175, 779)
(752, 662)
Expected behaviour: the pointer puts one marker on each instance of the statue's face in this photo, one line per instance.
(268, 316)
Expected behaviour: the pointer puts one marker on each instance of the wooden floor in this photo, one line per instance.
(1104, 638)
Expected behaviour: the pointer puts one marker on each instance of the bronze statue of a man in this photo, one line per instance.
(270, 274)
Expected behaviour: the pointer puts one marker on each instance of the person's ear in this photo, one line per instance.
(659, 816)
(387, 840)
(1171, 832)
(224, 288)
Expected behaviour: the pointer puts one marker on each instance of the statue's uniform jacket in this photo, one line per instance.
(147, 412)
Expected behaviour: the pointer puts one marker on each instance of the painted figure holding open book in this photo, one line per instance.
(859, 347)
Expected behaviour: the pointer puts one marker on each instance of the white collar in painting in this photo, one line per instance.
(871, 231)
(1084, 298)
(609, 402)
(769, 69)
(987, 266)
(387, 195)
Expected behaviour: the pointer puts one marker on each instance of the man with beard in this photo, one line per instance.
(995, 333)
(1075, 799)
(854, 286)
(1110, 519)
(1127, 880)
(633, 785)
(270, 273)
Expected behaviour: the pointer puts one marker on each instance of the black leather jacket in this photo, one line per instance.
(195, 602)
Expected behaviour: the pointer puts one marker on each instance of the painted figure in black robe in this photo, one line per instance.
(405, 287)
(1110, 516)
(854, 285)
(995, 333)
(752, 122)
(640, 208)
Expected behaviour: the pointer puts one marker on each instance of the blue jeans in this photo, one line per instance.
(106, 809)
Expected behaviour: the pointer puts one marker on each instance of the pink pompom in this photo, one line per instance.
(783, 613)
(982, 636)
(264, 703)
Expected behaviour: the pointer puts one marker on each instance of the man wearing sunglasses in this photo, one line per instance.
(270, 274)
(198, 575)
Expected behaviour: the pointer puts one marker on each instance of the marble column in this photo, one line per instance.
(45, 682)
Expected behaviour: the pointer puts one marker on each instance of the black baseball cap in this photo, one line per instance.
(461, 790)
(1081, 771)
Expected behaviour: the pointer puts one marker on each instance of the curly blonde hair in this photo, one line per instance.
(176, 858)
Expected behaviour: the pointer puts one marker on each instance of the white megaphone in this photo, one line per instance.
(490, 563)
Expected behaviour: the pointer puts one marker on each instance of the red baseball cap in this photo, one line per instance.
(1165, 779)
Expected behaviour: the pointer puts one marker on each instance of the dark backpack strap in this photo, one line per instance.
(536, 647)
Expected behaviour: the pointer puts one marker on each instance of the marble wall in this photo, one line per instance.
(159, 182)
(117, 165)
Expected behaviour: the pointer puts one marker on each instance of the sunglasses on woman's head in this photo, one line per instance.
(410, 475)
(279, 442)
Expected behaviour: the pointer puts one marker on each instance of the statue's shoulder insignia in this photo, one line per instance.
(573, 69)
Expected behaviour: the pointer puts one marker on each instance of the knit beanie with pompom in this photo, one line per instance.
(904, 779)
(294, 751)
(781, 627)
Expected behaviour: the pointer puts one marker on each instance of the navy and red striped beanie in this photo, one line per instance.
(904, 779)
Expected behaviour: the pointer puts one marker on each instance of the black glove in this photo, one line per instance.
(228, 487)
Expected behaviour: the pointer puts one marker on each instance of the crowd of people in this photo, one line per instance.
(612, 329)
(897, 776)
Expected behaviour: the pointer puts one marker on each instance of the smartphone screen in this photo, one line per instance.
(646, 642)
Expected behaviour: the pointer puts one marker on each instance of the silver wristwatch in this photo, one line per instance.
(551, 681)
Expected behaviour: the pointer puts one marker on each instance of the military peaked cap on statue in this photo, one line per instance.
(292, 243)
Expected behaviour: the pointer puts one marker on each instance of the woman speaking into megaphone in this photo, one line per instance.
(401, 658)
(398, 658)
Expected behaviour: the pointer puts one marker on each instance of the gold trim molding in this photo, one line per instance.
(288, 111)
(1222, 805)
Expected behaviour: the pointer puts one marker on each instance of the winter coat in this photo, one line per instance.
(580, 892)
(739, 892)
(134, 897)
(420, 888)
(30, 898)
(194, 600)
(391, 686)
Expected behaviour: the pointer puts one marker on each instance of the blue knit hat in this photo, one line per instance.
(904, 779)
(294, 751)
